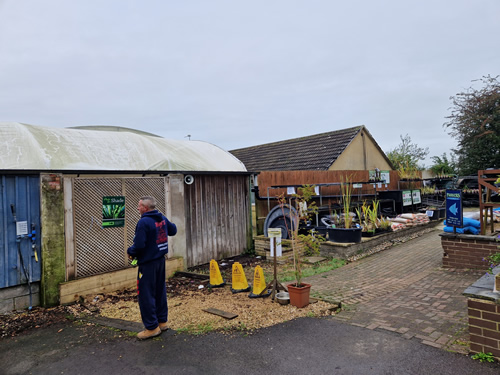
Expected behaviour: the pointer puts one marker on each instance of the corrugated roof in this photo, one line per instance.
(29, 147)
(314, 152)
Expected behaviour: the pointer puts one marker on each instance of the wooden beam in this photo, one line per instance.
(218, 312)
(127, 278)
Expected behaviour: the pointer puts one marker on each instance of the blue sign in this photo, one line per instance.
(454, 213)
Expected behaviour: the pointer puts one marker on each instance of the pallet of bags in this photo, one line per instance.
(398, 223)
(397, 226)
(470, 226)
(415, 219)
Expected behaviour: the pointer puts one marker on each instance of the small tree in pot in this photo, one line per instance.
(308, 242)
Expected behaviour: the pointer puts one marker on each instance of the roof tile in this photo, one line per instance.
(315, 152)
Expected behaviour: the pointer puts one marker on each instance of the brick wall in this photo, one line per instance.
(484, 326)
(467, 251)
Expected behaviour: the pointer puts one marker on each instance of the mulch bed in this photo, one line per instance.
(17, 323)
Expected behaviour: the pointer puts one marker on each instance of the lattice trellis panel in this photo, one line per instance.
(99, 250)
(137, 188)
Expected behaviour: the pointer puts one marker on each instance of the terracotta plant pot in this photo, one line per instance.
(299, 296)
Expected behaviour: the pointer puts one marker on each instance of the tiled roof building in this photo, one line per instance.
(351, 148)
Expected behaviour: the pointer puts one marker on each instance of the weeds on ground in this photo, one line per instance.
(461, 342)
(199, 329)
(484, 357)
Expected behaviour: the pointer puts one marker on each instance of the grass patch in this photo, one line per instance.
(198, 329)
(286, 272)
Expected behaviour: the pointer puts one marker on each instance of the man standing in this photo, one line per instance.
(149, 248)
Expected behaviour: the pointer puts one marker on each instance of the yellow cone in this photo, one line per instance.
(259, 281)
(259, 284)
(240, 283)
(215, 276)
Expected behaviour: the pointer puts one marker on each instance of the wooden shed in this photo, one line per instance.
(59, 180)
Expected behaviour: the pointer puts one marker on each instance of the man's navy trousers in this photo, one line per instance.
(152, 293)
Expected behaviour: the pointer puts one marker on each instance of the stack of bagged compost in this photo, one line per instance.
(408, 220)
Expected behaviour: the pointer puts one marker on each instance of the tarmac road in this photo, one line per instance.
(303, 346)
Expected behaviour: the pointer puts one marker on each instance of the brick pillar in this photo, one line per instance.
(484, 326)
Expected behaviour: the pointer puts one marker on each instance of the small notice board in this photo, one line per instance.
(454, 208)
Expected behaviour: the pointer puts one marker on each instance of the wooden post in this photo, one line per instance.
(274, 285)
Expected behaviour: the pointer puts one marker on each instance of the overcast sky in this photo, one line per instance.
(243, 73)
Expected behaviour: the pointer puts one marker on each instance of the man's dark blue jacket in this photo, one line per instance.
(151, 237)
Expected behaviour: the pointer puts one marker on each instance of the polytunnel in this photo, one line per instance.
(29, 147)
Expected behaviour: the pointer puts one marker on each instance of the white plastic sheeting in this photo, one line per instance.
(32, 147)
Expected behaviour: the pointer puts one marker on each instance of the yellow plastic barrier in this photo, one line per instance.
(259, 283)
(215, 276)
(240, 283)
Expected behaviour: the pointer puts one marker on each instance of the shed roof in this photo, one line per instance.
(29, 147)
(314, 152)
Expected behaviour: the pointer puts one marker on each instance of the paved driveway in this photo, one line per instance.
(403, 289)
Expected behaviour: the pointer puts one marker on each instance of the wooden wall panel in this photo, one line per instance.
(217, 217)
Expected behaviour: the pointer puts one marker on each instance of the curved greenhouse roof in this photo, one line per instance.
(30, 147)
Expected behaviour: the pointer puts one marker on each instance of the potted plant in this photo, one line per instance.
(345, 232)
(384, 225)
(368, 217)
(309, 242)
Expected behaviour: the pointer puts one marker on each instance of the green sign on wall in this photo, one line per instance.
(113, 211)
(407, 201)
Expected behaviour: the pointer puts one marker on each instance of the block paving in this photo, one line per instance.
(404, 290)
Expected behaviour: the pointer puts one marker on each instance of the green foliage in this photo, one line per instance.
(368, 216)
(112, 211)
(312, 242)
(385, 224)
(250, 251)
(311, 271)
(442, 165)
(407, 155)
(428, 190)
(346, 188)
(305, 209)
(199, 329)
(493, 261)
(475, 123)
(484, 357)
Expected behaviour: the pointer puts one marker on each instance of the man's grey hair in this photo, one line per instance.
(149, 202)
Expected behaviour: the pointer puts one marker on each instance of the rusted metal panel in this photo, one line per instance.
(266, 179)
(217, 217)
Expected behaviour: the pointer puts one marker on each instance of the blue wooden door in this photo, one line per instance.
(20, 257)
